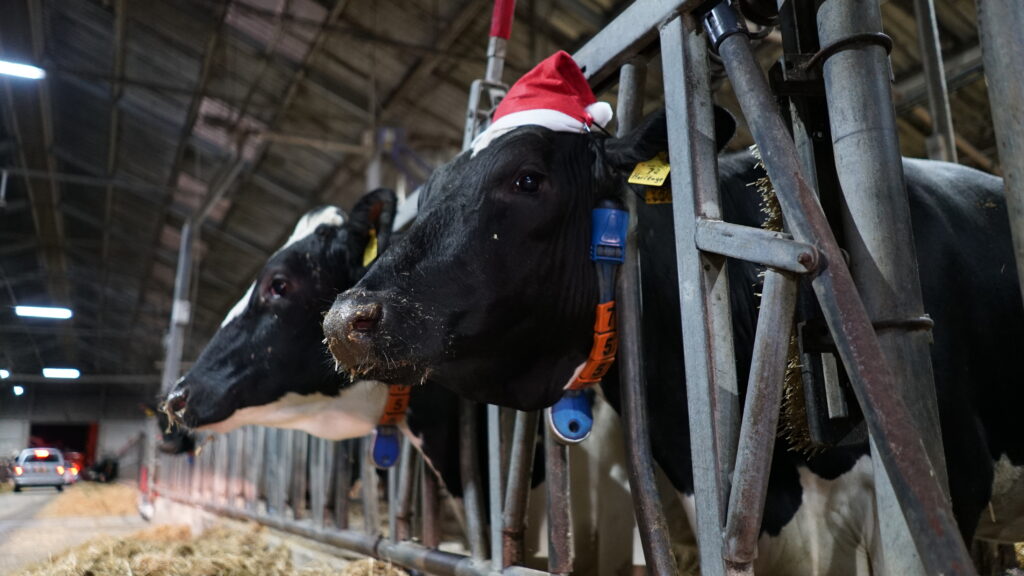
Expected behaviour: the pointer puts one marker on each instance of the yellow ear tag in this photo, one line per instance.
(652, 172)
(370, 254)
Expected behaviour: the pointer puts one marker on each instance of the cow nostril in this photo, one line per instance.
(365, 318)
(177, 400)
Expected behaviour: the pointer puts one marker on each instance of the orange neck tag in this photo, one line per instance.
(396, 405)
(602, 353)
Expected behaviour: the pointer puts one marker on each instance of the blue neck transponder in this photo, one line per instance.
(386, 442)
(571, 418)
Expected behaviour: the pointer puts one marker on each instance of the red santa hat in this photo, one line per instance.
(555, 95)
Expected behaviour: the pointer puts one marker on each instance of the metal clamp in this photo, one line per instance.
(721, 22)
(848, 43)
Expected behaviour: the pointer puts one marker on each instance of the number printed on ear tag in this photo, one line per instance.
(653, 172)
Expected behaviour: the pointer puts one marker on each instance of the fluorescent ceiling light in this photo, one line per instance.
(67, 373)
(21, 70)
(43, 312)
(4, 374)
(18, 390)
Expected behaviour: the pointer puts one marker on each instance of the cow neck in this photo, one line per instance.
(386, 442)
(571, 418)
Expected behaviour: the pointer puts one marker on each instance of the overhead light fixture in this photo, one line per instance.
(43, 312)
(64, 373)
(4, 374)
(18, 390)
(9, 68)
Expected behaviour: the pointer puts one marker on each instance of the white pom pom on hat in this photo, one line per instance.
(554, 95)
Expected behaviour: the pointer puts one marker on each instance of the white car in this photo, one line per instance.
(38, 467)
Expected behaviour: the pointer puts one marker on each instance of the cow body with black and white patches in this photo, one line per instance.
(267, 366)
(492, 293)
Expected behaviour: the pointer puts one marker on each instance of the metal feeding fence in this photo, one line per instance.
(300, 484)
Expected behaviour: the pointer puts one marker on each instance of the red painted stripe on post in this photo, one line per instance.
(501, 19)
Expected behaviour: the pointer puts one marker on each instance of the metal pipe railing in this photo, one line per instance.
(1002, 48)
(879, 240)
(942, 140)
(640, 463)
(899, 444)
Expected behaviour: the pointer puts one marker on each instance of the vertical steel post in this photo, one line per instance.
(703, 283)
(393, 503)
(371, 489)
(517, 493)
(318, 476)
(472, 499)
(560, 536)
(495, 480)
(876, 222)
(942, 141)
(343, 477)
(640, 464)
(431, 528)
(899, 444)
(1002, 47)
(408, 465)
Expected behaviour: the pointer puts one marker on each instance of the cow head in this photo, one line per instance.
(491, 291)
(267, 363)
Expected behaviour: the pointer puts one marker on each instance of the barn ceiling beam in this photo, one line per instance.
(209, 56)
(113, 138)
(961, 68)
(298, 77)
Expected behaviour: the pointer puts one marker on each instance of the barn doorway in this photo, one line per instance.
(67, 438)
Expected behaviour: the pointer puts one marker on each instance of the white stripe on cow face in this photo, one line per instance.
(329, 215)
(239, 306)
(354, 412)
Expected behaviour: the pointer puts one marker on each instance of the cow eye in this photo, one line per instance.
(529, 182)
(279, 287)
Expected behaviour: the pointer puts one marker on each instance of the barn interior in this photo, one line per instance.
(253, 112)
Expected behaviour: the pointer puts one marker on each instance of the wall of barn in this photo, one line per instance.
(13, 435)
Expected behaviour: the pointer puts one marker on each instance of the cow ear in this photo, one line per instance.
(651, 138)
(370, 224)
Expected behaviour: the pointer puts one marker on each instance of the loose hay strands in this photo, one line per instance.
(92, 499)
(793, 425)
(172, 551)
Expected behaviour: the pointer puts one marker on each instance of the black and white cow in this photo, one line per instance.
(491, 292)
(267, 366)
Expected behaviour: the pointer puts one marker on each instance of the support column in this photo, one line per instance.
(1002, 46)
(942, 140)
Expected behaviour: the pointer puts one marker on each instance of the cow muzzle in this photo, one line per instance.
(350, 329)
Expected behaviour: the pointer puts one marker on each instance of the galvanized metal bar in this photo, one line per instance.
(408, 464)
(1002, 49)
(760, 418)
(703, 283)
(238, 457)
(472, 499)
(556, 482)
(299, 473)
(899, 443)
(392, 474)
(640, 463)
(430, 530)
(517, 493)
(318, 477)
(256, 470)
(371, 489)
(630, 33)
(942, 141)
(879, 239)
(342, 480)
(495, 479)
(764, 247)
